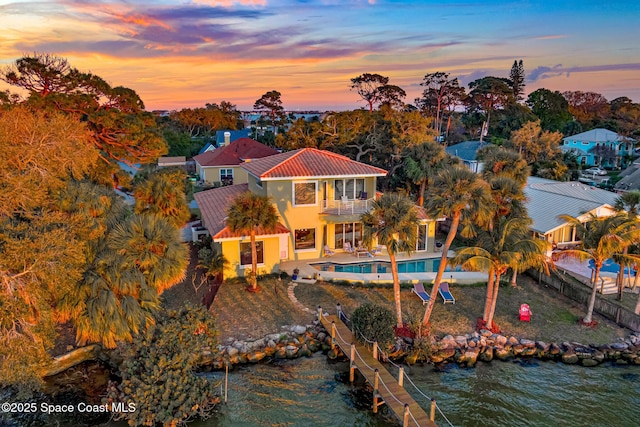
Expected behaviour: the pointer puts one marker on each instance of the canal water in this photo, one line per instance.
(315, 392)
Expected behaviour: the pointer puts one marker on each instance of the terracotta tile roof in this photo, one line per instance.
(422, 214)
(309, 162)
(235, 153)
(214, 205)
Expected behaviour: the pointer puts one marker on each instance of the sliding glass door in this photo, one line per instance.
(347, 232)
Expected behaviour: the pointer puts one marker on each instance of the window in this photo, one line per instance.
(226, 174)
(245, 253)
(258, 182)
(304, 193)
(352, 188)
(305, 239)
(421, 243)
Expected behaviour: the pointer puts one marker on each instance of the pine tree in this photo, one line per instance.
(517, 80)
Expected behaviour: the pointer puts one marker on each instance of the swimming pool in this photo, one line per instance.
(429, 265)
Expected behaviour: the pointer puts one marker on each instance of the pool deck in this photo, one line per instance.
(308, 274)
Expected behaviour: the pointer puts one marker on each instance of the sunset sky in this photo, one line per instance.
(178, 54)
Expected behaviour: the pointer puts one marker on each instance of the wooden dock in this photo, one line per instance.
(385, 386)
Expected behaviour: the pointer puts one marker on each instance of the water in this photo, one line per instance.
(429, 265)
(311, 392)
(314, 392)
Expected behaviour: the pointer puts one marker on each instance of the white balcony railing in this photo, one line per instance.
(346, 207)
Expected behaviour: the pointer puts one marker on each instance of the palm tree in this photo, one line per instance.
(211, 260)
(498, 161)
(507, 173)
(128, 269)
(422, 161)
(460, 195)
(627, 202)
(163, 194)
(504, 246)
(250, 213)
(393, 221)
(602, 238)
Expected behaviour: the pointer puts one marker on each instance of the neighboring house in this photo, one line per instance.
(222, 164)
(629, 178)
(225, 137)
(599, 147)
(320, 197)
(467, 151)
(547, 200)
(209, 146)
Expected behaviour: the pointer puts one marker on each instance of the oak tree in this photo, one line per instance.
(121, 129)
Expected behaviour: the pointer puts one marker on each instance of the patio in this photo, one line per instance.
(309, 274)
(582, 271)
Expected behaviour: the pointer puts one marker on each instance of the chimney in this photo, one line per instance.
(227, 138)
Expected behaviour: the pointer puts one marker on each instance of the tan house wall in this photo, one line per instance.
(212, 173)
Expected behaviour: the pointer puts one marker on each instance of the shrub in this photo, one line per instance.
(374, 323)
(158, 371)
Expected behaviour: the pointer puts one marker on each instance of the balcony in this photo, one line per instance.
(347, 207)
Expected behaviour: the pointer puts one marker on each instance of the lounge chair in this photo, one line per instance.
(376, 251)
(444, 292)
(328, 251)
(348, 248)
(418, 289)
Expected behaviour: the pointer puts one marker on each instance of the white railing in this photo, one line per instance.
(347, 207)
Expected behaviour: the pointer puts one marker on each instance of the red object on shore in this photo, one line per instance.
(525, 313)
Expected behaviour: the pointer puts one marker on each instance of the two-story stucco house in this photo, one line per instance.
(599, 147)
(222, 164)
(320, 197)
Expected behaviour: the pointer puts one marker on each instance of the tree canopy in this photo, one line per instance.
(488, 94)
(375, 89)
(121, 130)
(550, 107)
(517, 80)
(271, 102)
(441, 93)
(71, 249)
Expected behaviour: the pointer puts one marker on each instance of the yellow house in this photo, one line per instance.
(320, 197)
(222, 165)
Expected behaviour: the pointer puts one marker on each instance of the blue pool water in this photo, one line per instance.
(428, 265)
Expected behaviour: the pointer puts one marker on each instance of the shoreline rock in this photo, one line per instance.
(485, 346)
(465, 350)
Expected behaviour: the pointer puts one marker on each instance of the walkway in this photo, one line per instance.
(294, 300)
(401, 404)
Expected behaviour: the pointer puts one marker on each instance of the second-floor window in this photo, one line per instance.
(351, 188)
(304, 193)
(226, 174)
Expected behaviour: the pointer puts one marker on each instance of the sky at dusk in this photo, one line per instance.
(177, 54)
